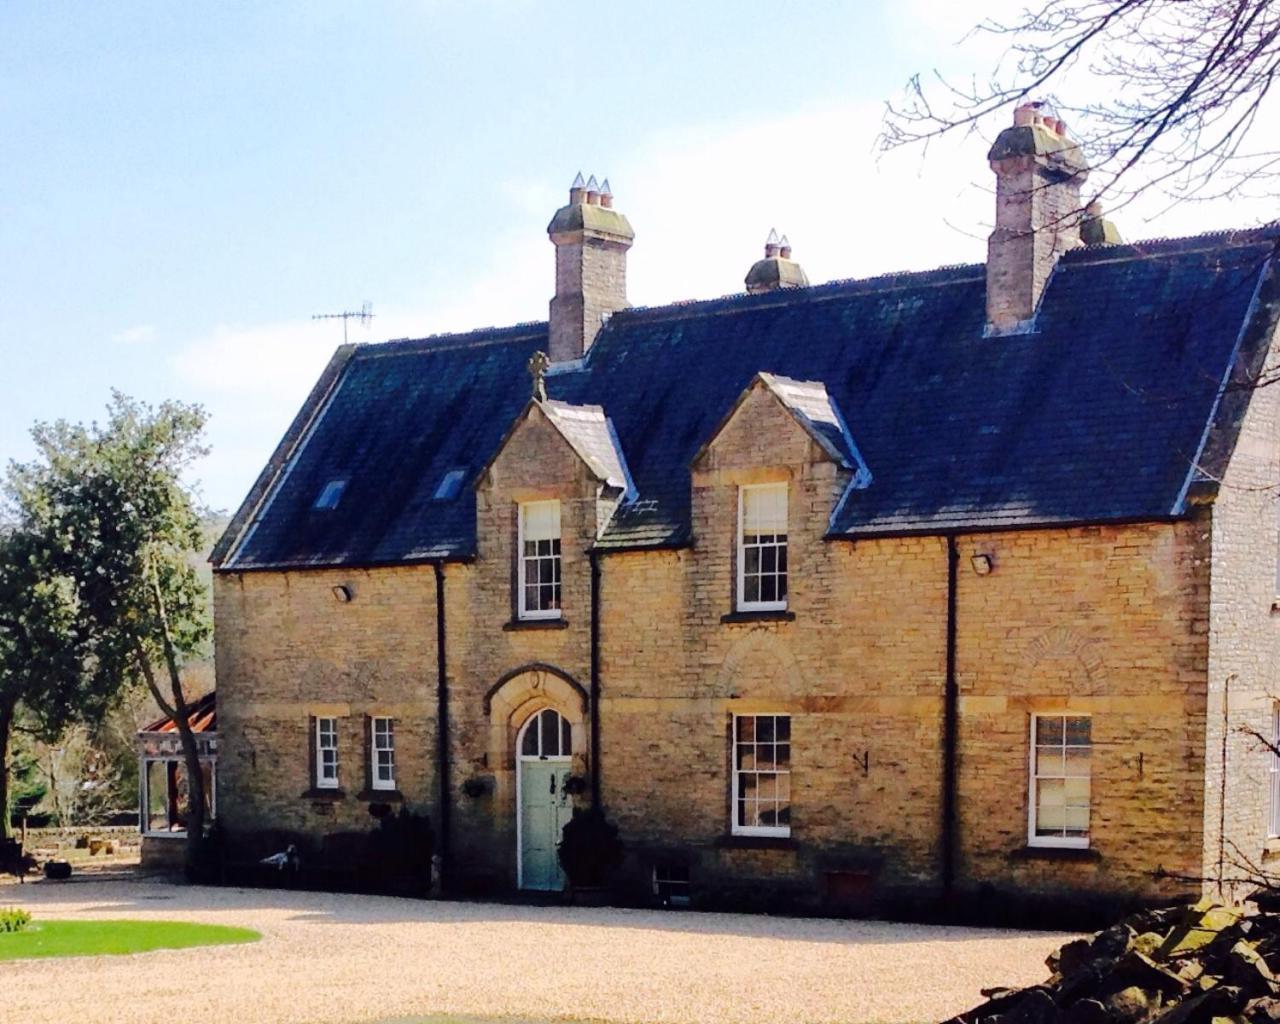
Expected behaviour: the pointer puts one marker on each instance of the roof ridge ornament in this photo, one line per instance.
(537, 366)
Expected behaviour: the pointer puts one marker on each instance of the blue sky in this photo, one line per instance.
(185, 184)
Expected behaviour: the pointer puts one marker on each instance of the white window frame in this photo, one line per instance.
(743, 603)
(323, 780)
(1055, 842)
(523, 611)
(777, 831)
(379, 745)
(1273, 773)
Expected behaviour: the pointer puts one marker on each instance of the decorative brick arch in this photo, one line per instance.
(1065, 659)
(520, 694)
(759, 663)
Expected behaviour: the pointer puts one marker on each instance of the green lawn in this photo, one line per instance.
(97, 938)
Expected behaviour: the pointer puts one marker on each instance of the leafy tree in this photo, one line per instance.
(47, 670)
(110, 504)
(1184, 89)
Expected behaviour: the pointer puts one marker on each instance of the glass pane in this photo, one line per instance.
(782, 588)
(541, 519)
(751, 560)
(530, 744)
(746, 755)
(751, 588)
(1078, 761)
(769, 559)
(782, 728)
(768, 588)
(566, 740)
(1077, 730)
(1076, 791)
(1051, 793)
(767, 787)
(784, 815)
(746, 726)
(782, 555)
(1049, 761)
(550, 733)
(1076, 820)
(764, 755)
(747, 784)
(764, 729)
(1049, 729)
(782, 755)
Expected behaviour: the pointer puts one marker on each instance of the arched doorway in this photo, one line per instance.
(544, 762)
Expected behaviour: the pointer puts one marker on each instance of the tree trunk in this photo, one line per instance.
(175, 706)
(7, 709)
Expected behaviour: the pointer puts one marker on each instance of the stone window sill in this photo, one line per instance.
(780, 615)
(333, 795)
(733, 842)
(380, 796)
(1059, 853)
(1271, 848)
(518, 624)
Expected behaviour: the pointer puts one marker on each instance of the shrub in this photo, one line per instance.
(590, 849)
(13, 920)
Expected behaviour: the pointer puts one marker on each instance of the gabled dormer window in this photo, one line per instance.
(539, 560)
(762, 547)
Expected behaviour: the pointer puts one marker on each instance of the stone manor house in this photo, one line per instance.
(940, 584)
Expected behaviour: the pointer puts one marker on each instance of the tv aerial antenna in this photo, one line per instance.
(364, 315)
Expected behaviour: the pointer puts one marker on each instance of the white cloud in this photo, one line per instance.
(135, 335)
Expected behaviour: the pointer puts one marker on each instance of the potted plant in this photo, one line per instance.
(590, 851)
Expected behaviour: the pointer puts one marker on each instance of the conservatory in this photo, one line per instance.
(163, 798)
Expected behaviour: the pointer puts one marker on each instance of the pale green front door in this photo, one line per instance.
(545, 807)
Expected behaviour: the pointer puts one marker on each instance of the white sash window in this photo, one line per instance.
(762, 547)
(539, 561)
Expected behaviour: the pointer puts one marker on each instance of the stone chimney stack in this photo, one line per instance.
(591, 240)
(777, 269)
(1039, 172)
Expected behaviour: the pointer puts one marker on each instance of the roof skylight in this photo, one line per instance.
(330, 494)
(450, 485)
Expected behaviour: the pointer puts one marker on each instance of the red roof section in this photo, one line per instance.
(203, 716)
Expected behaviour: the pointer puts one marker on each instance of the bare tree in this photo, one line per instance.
(1176, 87)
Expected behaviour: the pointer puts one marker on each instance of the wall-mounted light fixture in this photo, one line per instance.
(343, 593)
(982, 564)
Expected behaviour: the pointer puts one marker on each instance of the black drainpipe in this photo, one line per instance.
(442, 732)
(594, 556)
(950, 726)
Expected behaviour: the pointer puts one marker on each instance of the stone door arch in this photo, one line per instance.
(512, 703)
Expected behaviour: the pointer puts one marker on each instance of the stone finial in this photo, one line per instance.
(537, 365)
(1095, 229)
(777, 269)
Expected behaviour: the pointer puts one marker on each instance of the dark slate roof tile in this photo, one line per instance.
(1097, 415)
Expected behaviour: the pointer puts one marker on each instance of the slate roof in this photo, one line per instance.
(1103, 413)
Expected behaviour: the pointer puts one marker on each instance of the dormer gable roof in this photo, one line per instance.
(588, 433)
(591, 435)
(814, 410)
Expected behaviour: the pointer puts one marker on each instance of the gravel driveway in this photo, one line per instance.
(361, 958)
